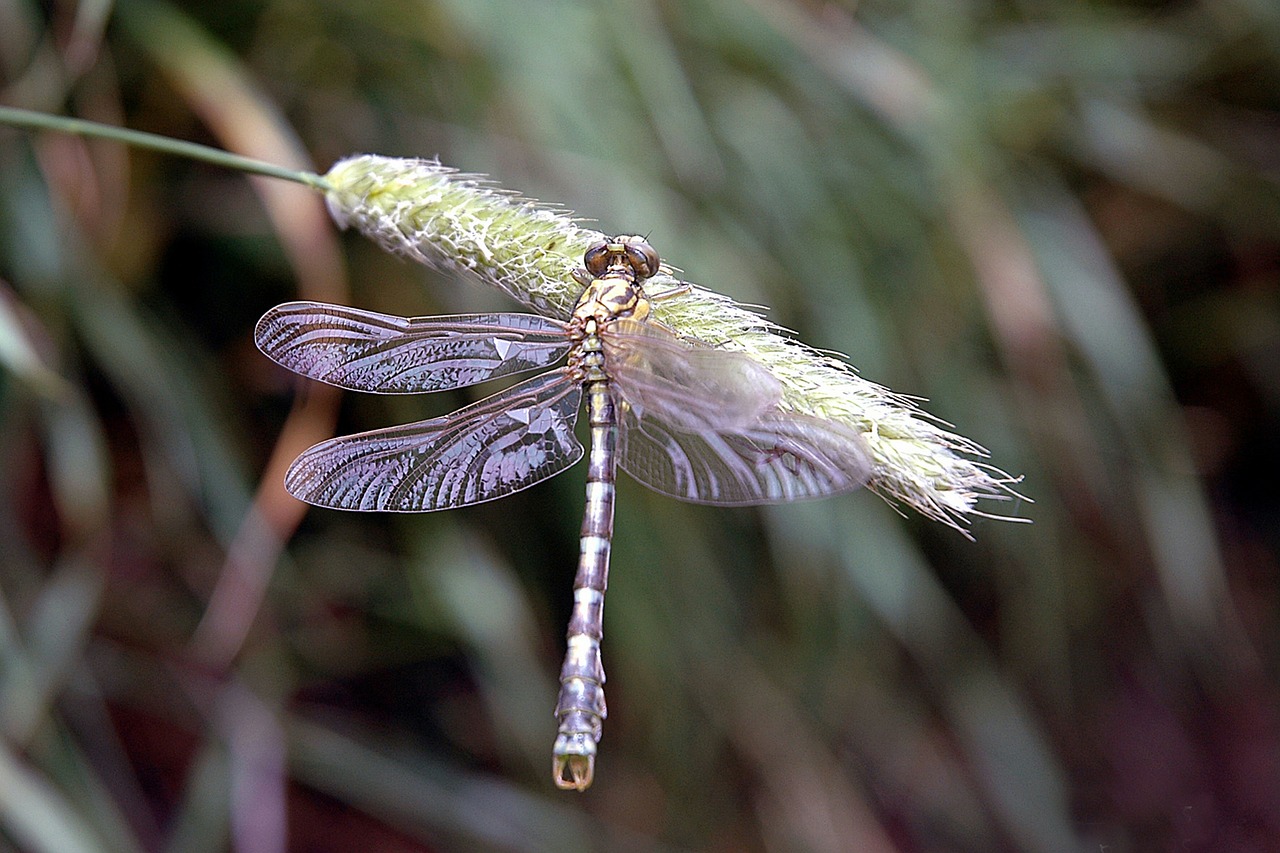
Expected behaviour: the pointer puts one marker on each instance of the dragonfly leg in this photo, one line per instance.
(678, 290)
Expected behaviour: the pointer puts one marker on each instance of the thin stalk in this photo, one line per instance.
(14, 117)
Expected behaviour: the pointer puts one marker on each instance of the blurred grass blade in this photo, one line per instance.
(57, 633)
(441, 801)
(201, 820)
(256, 768)
(1104, 325)
(171, 400)
(18, 350)
(36, 815)
(221, 91)
(463, 584)
(996, 729)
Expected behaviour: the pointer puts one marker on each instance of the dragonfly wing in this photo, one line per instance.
(686, 384)
(780, 457)
(368, 351)
(487, 450)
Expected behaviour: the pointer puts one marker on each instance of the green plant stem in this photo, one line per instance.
(14, 117)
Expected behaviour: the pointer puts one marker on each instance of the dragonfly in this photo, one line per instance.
(686, 419)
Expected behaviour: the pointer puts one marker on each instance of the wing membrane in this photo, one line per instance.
(487, 450)
(779, 457)
(368, 351)
(687, 385)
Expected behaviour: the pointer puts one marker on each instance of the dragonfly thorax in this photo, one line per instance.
(610, 297)
(614, 270)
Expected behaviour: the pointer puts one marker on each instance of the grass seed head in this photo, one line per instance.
(453, 221)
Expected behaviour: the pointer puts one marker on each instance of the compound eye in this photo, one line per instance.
(596, 258)
(643, 257)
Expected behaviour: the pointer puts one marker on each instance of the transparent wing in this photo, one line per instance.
(703, 425)
(487, 450)
(685, 384)
(367, 351)
(779, 457)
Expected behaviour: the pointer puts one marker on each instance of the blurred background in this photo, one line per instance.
(1057, 222)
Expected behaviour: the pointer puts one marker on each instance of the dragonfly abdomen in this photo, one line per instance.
(581, 706)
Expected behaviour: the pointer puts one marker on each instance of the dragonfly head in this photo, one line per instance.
(630, 254)
(616, 267)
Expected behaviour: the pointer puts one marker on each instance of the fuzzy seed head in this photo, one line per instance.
(452, 221)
